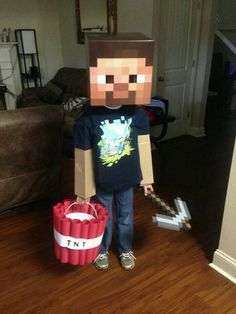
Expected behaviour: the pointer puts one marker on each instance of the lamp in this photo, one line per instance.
(28, 57)
(26, 41)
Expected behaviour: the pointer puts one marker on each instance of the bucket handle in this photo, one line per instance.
(72, 204)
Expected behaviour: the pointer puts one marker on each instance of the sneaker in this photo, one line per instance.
(101, 262)
(127, 260)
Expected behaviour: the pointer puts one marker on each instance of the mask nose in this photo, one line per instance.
(121, 90)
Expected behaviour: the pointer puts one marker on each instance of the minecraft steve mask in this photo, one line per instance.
(120, 69)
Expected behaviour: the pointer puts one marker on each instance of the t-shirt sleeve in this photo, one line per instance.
(82, 133)
(141, 121)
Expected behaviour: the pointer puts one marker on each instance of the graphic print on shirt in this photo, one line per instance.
(115, 140)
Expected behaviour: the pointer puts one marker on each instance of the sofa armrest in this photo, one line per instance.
(32, 92)
(31, 153)
(28, 97)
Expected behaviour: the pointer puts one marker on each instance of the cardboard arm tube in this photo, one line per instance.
(84, 173)
(145, 156)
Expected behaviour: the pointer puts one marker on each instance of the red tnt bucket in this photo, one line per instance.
(78, 231)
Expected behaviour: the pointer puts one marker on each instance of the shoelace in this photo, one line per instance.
(128, 255)
(101, 256)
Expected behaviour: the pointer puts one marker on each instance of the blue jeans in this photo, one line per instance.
(124, 219)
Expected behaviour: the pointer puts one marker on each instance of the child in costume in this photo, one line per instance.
(112, 146)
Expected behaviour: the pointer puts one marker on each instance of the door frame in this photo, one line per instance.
(202, 55)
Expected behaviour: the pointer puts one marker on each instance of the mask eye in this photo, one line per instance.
(101, 79)
(140, 78)
(133, 78)
(109, 79)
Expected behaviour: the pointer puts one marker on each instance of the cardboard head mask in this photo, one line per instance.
(120, 69)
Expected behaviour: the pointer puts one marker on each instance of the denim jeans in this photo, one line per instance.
(123, 200)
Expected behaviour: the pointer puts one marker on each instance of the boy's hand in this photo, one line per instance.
(147, 189)
(81, 201)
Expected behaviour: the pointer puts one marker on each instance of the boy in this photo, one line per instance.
(113, 134)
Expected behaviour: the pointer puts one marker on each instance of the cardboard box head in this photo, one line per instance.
(120, 69)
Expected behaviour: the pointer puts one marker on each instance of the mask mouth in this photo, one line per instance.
(120, 94)
(118, 98)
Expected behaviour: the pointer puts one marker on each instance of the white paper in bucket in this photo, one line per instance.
(80, 216)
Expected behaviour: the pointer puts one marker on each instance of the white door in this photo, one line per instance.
(177, 38)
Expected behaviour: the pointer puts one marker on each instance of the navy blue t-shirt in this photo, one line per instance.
(112, 135)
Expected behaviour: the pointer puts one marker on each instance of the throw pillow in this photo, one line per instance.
(74, 104)
(50, 93)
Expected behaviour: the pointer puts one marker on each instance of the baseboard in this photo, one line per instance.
(225, 265)
(196, 132)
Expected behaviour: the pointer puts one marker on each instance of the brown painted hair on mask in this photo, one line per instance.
(122, 45)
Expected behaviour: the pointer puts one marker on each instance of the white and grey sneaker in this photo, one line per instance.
(101, 261)
(127, 260)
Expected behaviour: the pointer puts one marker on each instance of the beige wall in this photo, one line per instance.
(228, 232)
(41, 15)
(73, 54)
(49, 38)
(55, 25)
(135, 16)
(131, 18)
(227, 12)
(224, 260)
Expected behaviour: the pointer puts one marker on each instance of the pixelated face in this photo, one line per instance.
(120, 81)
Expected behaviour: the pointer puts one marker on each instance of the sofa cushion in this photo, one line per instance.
(75, 80)
(50, 93)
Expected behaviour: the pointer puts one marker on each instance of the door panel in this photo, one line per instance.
(176, 96)
(176, 42)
